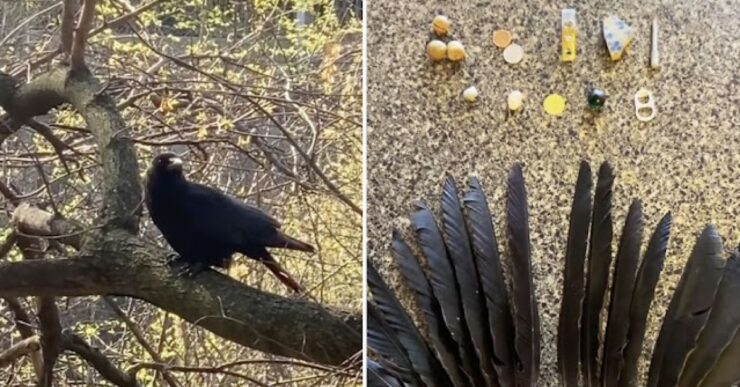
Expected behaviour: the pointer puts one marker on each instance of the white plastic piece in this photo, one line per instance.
(513, 53)
(515, 100)
(644, 102)
(471, 94)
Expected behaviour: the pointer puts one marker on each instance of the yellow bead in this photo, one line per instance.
(441, 25)
(436, 50)
(554, 105)
(455, 51)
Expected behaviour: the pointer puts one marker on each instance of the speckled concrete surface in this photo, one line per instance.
(687, 160)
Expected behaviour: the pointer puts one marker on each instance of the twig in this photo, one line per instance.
(21, 348)
(101, 363)
(68, 25)
(77, 55)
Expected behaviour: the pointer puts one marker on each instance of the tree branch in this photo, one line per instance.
(105, 367)
(77, 55)
(23, 323)
(21, 348)
(68, 26)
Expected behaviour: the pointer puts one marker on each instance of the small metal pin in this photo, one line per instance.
(654, 55)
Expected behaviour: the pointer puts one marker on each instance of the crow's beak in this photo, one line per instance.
(175, 163)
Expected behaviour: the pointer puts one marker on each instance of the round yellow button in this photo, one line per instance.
(554, 105)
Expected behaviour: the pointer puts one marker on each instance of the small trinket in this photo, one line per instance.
(470, 94)
(554, 105)
(436, 50)
(568, 35)
(515, 100)
(618, 36)
(441, 25)
(596, 99)
(513, 54)
(455, 51)
(644, 105)
(501, 38)
(654, 55)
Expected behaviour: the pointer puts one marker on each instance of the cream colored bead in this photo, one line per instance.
(455, 51)
(470, 94)
(515, 100)
(441, 25)
(436, 50)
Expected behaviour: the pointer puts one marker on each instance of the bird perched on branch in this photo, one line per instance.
(206, 227)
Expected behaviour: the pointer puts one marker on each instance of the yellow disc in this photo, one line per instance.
(554, 105)
(501, 38)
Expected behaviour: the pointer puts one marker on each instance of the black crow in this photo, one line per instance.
(206, 227)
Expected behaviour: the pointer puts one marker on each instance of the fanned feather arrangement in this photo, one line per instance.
(479, 332)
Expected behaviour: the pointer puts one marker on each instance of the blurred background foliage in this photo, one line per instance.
(263, 99)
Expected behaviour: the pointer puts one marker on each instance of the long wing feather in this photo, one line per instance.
(445, 287)
(526, 318)
(642, 297)
(688, 309)
(725, 372)
(570, 310)
(422, 360)
(378, 376)
(461, 255)
(721, 327)
(384, 342)
(597, 278)
(442, 342)
(625, 268)
(490, 272)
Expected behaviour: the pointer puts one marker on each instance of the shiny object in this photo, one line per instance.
(441, 25)
(645, 105)
(436, 50)
(618, 36)
(596, 99)
(470, 94)
(654, 54)
(455, 51)
(515, 100)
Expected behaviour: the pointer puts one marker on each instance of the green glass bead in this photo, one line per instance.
(596, 99)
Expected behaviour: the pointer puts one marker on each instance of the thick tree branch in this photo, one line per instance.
(68, 25)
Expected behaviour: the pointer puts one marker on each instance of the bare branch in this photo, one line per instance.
(141, 339)
(23, 324)
(68, 25)
(101, 363)
(77, 55)
(21, 348)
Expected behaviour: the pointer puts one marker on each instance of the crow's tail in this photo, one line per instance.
(291, 243)
(281, 273)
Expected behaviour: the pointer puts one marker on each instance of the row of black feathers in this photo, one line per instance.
(481, 332)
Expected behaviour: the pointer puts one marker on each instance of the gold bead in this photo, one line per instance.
(441, 25)
(436, 50)
(455, 51)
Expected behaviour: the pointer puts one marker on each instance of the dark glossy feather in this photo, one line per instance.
(444, 285)
(725, 372)
(721, 327)
(597, 278)
(421, 358)
(526, 318)
(378, 376)
(471, 295)
(384, 342)
(570, 310)
(490, 272)
(642, 297)
(688, 310)
(442, 343)
(625, 268)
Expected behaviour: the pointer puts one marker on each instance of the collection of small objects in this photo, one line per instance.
(617, 35)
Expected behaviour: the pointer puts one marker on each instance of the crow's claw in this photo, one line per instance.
(190, 269)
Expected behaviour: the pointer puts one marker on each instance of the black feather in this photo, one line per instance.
(597, 278)
(642, 297)
(421, 358)
(688, 309)
(625, 269)
(526, 318)
(721, 327)
(384, 342)
(414, 277)
(490, 272)
(570, 310)
(461, 255)
(444, 284)
(725, 372)
(378, 376)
